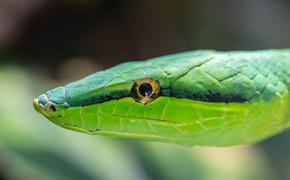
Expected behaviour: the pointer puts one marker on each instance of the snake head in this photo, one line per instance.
(51, 103)
(202, 98)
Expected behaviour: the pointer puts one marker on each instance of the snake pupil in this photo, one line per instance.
(145, 89)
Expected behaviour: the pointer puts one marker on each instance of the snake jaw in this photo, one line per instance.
(47, 109)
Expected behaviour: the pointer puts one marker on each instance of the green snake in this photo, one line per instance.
(203, 97)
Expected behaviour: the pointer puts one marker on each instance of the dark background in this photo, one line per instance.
(109, 32)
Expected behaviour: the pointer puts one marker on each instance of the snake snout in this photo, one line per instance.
(51, 101)
(43, 100)
(36, 104)
(43, 104)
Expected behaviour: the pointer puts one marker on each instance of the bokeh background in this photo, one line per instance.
(46, 43)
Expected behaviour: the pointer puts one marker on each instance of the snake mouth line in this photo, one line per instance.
(111, 132)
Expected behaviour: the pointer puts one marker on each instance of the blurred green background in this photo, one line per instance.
(46, 43)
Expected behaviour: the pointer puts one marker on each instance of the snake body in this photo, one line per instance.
(202, 97)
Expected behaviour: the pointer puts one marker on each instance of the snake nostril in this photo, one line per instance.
(52, 108)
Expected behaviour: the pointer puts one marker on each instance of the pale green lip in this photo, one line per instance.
(36, 105)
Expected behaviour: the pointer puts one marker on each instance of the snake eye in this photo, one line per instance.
(145, 90)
